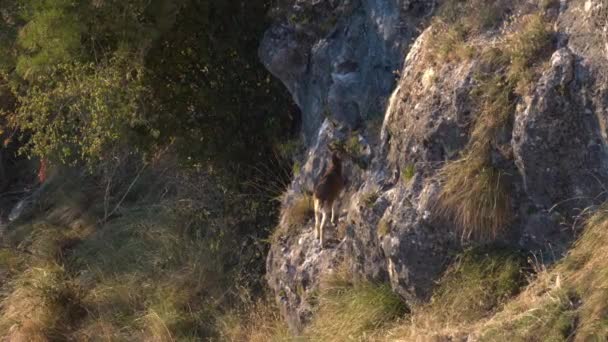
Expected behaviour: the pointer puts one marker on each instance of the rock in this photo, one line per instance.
(339, 57)
(557, 141)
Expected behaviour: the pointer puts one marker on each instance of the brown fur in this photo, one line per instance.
(326, 192)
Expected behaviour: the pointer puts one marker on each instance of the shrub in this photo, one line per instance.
(480, 282)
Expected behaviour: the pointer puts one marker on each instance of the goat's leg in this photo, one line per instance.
(323, 218)
(333, 211)
(317, 214)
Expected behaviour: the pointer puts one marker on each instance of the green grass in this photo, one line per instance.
(554, 319)
(408, 173)
(480, 282)
(475, 197)
(353, 311)
(568, 302)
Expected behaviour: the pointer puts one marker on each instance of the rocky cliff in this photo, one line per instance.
(494, 131)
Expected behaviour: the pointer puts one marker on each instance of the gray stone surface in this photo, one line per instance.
(339, 57)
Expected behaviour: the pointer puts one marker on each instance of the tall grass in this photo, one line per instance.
(161, 268)
(566, 303)
(478, 284)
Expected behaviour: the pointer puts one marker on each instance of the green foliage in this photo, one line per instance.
(408, 173)
(82, 111)
(94, 76)
(51, 36)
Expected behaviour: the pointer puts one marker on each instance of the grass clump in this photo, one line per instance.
(457, 21)
(553, 319)
(384, 227)
(259, 321)
(40, 306)
(475, 197)
(369, 198)
(480, 282)
(353, 311)
(294, 216)
(567, 303)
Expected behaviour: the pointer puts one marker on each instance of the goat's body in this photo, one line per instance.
(326, 193)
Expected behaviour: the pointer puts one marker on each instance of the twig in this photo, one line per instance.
(126, 193)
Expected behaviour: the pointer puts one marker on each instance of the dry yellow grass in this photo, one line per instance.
(353, 310)
(475, 197)
(294, 217)
(260, 322)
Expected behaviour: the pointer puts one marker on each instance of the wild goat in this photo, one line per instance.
(326, 193)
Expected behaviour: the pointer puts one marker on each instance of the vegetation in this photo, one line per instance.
(259, 321)
(408, 173)
(294, 216)
(567, 303)
(369, 198)
(153, 224)
(458, 21)
(353, 310)
(476, 286)
(93, 76)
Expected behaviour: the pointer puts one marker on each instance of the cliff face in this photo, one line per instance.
(545, 161)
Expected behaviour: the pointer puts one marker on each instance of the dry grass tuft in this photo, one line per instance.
(294, 217)
(567, 303)
(475, 197)
(259, 322)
